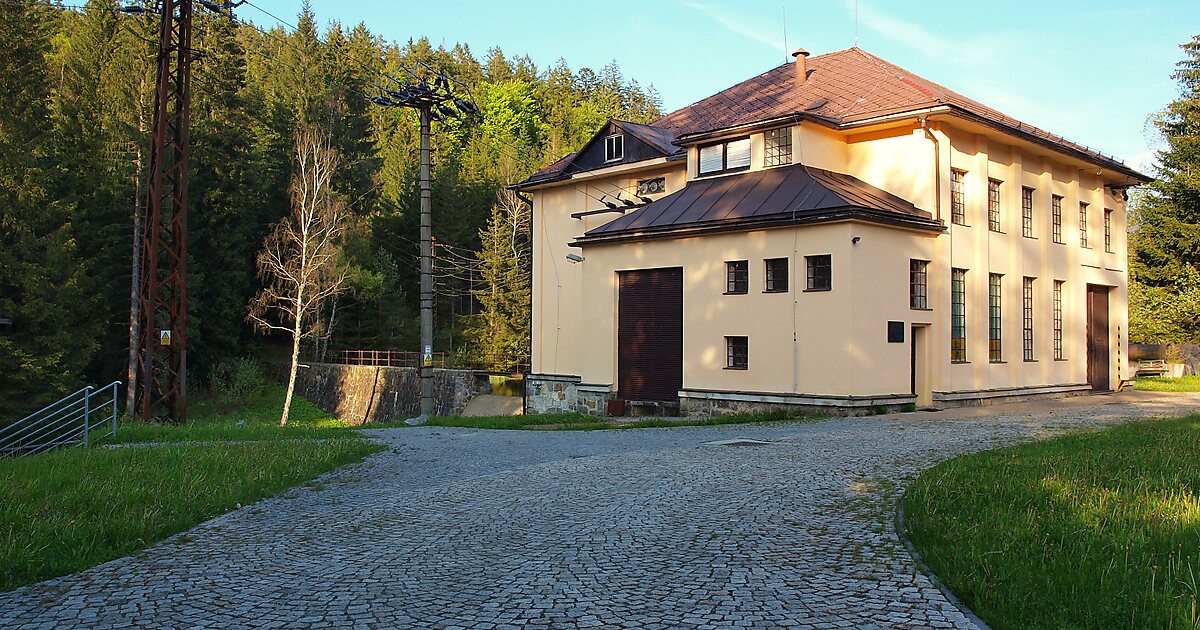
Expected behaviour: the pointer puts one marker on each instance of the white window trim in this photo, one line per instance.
(619, 157)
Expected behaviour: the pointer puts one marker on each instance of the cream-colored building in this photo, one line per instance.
(834, 232)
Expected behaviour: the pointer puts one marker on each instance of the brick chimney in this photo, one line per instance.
(801, 56)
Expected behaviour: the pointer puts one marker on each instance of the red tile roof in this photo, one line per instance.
(854, 85)
(842, 87)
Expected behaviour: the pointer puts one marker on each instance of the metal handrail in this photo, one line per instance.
(70, 420)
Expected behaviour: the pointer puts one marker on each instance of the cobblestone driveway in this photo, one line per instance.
(650, 528)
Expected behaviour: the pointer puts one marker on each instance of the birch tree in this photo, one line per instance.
(300, 260)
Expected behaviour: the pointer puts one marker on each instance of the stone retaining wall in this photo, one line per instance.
(358, 393)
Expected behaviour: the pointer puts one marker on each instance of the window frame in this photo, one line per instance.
(1027, 348)
(1083, 225)
(1108, 231)
(814, 263)
(724, 144)
(731, 354)
(995, 318)
(918, 284)
(1058, 321)
(1027, 212)
(731, 281)
(608, 144)
(994, 205)
(958, 196)
(783, 147)
(958, 316)
(1056, 219)
(769, 278)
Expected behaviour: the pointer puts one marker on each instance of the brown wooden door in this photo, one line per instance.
(650, 334)
(1097, 337)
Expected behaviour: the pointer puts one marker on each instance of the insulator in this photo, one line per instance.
(447, 111)
(135, 10)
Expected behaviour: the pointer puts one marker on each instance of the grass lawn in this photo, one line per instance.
(580, 422)
(210, 421)
(1095, 530)
(71, 509)
(1168, 384)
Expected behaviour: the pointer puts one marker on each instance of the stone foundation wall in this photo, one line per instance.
(358, 393)
(556, 393)
(718, 406)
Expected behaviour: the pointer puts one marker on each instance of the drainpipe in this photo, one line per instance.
(937, 166)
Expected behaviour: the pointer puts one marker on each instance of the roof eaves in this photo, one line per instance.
(774, 221)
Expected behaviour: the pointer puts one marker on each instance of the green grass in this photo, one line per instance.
(211, 421)
(580, 422)
(67, 510)
(1095, 530)
(1168, 384)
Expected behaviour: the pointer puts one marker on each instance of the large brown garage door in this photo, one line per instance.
(650, 334)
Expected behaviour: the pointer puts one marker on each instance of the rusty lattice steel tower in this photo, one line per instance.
(163, 335)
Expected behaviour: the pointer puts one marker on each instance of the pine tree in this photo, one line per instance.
(500, 333)
(1165, 266)
(42, 353)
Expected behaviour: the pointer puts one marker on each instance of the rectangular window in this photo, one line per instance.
(918, 284)
(737, 276)
(994, 204)
(1058, 320)
(778, 147)
(958, 203)
(1027, 212)
(737, 353)
(725, 157)
(1056, 218)
(614, 148)
(1083, 242)
(819, 272)
(777, 275)
(1108, 230)
(1027, 317)
(995, 340)
(958, 315)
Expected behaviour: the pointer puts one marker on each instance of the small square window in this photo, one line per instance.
(778, 147)
(737, 276)
(819, 272)
(777, 275)
(614, 148)
(737, 353)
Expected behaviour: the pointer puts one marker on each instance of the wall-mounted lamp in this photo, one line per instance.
(575, 258)
(855, 239)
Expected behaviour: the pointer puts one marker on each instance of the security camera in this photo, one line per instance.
(575, 258)
(855, 240)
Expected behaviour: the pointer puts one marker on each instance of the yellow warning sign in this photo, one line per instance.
(164, 337)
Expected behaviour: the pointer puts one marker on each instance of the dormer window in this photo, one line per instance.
(725, 157)
(614, 147)
(778, 150)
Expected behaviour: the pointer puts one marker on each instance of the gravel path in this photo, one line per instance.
(645, 528)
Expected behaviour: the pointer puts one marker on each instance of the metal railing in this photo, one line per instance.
(386, 358)
(83, 417)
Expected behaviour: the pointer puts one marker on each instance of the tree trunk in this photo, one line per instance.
(291, 388)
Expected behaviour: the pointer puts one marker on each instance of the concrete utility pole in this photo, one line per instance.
(426, 268)
(434, 99)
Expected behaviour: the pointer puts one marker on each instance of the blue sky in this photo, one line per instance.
(1090, 71)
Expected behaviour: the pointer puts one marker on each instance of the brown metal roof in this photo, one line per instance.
(766, 198)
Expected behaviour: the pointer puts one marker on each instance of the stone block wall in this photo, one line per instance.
(555, 393)
(358, 393)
